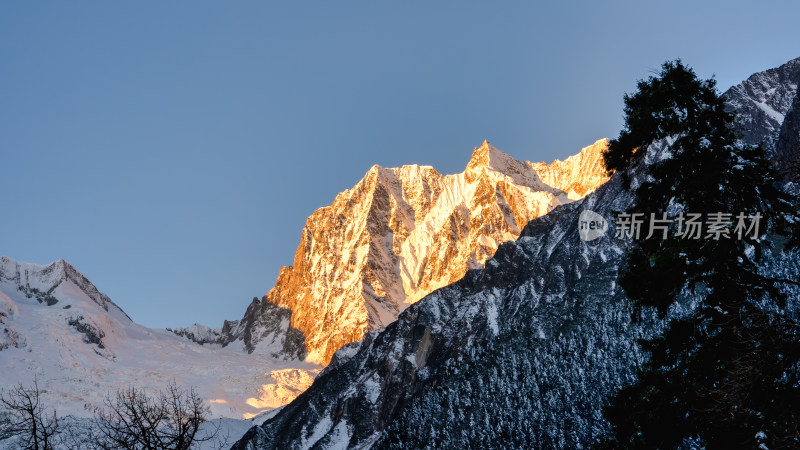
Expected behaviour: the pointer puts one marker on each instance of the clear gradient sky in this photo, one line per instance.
(172, 151)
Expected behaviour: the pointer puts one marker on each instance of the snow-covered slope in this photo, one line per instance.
(520, 354)
(265, 330)
(762, 102)
(401, 233)
(394, 237)
(80, 346)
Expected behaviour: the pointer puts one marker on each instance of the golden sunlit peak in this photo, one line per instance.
(484, 155)
(485, 147)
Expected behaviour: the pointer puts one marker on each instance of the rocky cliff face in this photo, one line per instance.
(264, 330)
(762, 102)
(522, 353)
(40, 282)
(787, 147)
(401, 233)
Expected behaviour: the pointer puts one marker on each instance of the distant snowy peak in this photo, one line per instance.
(487, 157)
(264, 330)
(762, 102)
(39, 282)
(401, 233)
(57, 300)
(55, 325)
(577, 175)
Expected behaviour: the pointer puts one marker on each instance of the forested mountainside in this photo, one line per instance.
(523, 352)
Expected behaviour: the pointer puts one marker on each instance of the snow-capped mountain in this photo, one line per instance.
(80, 346)
(264, 330)
(762, 102)
(401, 233)
(522, 353)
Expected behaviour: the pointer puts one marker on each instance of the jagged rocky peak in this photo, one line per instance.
(787, 148)
(579, 174)
(40, 282)
(264, 330)
(488, 161)
(488, 156)
(482, 156)
(762, 102)
(576, 176)
(401, 233)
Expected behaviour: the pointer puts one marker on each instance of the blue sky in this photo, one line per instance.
(172, 151)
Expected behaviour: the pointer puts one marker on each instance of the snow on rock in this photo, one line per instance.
(283, 387)
(80, 347)
(451, 371)
(401, 233)
(762, 102)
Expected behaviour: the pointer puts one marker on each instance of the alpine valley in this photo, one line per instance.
(396, 236)
(421, 309)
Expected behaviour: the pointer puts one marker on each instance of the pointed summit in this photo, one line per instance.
(482, 156)
(45, 279)
(488, 158)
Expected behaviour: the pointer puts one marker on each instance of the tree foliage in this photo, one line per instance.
(725, 375)
(662, 107)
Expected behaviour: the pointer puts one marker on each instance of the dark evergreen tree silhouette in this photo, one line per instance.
(726, 374)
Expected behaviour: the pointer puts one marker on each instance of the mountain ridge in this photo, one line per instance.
(400, 233)
(51, 275)
(57, 327)
(521, 353)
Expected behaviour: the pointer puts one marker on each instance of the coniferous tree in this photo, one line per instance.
(726, 374)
